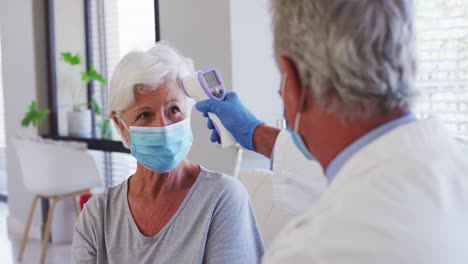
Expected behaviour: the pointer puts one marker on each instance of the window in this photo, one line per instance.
(116, 27)
(442, 27)
(111, 29)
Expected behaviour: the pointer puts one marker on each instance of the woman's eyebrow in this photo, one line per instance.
(173, 100)
(143, 108)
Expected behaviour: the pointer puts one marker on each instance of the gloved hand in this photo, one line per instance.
(235, 117)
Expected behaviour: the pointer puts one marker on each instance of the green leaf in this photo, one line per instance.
(96, 107)
(70, 58)
(26, 120)
(33, 107)
(42, 114)
(34, 115)
(106, 131)
(93, 74)
(85, 77)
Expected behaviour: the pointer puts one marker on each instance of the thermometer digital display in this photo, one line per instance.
(208, 84)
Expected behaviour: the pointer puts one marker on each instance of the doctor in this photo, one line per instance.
(397, 186)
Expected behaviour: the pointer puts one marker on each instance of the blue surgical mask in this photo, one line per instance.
(161, 149)
(298, 141)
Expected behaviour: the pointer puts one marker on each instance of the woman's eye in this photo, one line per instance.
(174, 110)
(144, 115)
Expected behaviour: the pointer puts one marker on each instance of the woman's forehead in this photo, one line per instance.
(157, 96)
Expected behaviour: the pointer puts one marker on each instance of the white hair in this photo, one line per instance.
(146, 70)
(149, 69)
(352, 55)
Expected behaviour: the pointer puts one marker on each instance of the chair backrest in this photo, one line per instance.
(270, 219)
(52, 169)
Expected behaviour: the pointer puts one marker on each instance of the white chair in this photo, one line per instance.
(55, 172)
(269, 219)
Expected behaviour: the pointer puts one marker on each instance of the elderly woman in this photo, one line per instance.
(171, 210)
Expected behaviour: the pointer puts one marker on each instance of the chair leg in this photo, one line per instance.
(45, 242)
(77, 205)
(28, 226)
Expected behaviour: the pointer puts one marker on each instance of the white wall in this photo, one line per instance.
(201, 30)
(255, 76)
(22, 51)
(235, 37)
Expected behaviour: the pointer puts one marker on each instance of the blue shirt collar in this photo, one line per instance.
(339, 161)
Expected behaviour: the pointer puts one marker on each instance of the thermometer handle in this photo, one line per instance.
(227, 140)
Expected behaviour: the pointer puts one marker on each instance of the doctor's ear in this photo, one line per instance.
(292, 87)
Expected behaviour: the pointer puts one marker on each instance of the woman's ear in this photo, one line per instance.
(121, 129)
(116, 120)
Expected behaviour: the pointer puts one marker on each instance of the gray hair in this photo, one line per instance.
(353, 55)
(143, 70)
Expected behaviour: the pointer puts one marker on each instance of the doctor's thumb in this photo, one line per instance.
(208, 106)
(232, 97)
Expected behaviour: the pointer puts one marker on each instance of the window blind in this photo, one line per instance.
(117, 28)
(442, 32)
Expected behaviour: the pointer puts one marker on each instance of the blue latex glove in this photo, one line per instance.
(235, 117)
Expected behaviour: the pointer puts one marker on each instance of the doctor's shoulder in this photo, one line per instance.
(403, 212)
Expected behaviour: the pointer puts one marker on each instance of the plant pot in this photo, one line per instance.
(79, 124)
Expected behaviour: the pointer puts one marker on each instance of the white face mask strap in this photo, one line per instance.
(299, 114)
(123, 122)
(302, 100)
(119, 131)
(296, 123)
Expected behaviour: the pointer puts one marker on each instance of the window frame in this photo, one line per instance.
(104, 145)
(93, 143)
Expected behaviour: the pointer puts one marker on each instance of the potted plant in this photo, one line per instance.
(79, 119)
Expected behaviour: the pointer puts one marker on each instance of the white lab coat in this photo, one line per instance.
(401, 199)
(298, 182)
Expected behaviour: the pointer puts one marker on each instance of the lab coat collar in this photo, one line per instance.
(421, 136)
(337, 163)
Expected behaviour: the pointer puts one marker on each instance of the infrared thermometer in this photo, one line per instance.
(208, 84)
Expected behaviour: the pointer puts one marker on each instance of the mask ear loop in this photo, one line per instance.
(126, 127)
(302, 100)
(299, 114)
(123, 122)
